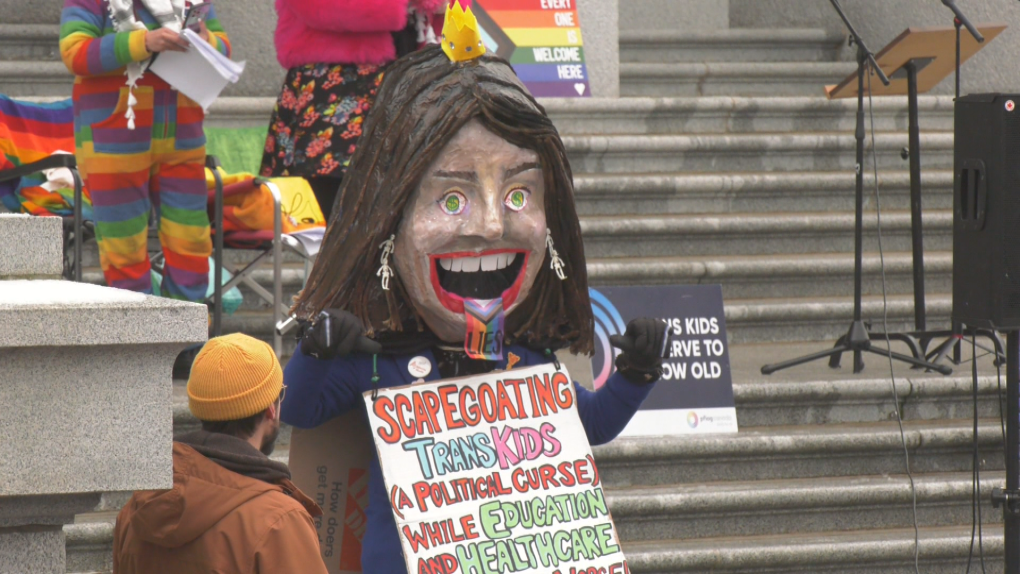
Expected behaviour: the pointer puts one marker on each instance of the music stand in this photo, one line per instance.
(916, 61)
(905, 52)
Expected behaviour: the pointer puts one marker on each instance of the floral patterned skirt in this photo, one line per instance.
(318, 119)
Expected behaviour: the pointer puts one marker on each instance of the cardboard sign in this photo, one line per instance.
(541, 39)
(695, 394)
(493, 473)
(330, 464)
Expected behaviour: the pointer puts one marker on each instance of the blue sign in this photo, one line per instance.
(695, 394)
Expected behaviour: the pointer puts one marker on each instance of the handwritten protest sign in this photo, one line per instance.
(493, 474)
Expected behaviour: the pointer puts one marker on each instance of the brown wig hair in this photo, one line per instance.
(424, 100)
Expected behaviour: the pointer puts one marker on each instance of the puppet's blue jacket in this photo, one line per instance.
(319, 390)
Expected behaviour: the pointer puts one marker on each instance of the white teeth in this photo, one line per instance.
(490, 262)
(473, 264)
(470, 264)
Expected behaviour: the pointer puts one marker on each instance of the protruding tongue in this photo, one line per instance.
(484, 337)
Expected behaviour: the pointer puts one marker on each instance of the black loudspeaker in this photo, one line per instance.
(986, 212)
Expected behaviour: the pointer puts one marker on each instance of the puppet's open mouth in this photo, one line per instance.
(486, 275)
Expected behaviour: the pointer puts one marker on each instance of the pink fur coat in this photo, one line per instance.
(341, 31)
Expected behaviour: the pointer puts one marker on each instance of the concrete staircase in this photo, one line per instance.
(30, 61)
(700, 174)
(813, 482)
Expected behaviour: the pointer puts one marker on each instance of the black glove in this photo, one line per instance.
(644, 345)
(336, 333)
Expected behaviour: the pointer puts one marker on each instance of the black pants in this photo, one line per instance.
(325, 190)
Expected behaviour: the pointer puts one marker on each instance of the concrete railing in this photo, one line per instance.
(85, 388)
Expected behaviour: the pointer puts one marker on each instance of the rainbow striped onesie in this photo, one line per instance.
(160, 162)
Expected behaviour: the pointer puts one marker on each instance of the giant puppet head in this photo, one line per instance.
(458, 200)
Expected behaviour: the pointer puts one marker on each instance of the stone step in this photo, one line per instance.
(767, 402)
(764, 192)
(942, 550)
(827, 318)
(29, 42)
(89, 546)
(679, 115)
(732, 78)
(777, 276)
(665, 115)
(742, 277)
(730, 114)
(748, 152)
(800, 452)
(747, 234)
(752, 508)
(731, 45)
(773, 307)
(646, 240)
(747, 320)
(841, 397)
(22, 78)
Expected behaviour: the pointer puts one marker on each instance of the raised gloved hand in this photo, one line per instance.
(644, 345)
(336, 333)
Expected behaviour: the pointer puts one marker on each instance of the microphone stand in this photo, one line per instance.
(961, 19)
(857, 339)
(954, 337)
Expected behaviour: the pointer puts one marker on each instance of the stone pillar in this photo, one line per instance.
(85, 389)
(600, 32)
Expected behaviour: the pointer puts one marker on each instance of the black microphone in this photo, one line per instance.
(963, 20)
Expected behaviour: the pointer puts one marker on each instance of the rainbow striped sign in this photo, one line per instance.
(541, 39)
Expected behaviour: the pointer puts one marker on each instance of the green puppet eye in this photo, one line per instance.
(453, 203)
(517, 199)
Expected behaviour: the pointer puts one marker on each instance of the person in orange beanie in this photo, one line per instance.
(231, 508)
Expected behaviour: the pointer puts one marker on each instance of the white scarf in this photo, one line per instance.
(169, 14)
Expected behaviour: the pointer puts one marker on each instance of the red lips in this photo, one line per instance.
(454, 302)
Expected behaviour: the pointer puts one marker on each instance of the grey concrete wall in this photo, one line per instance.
(687, 15)
(30, 11)
(994, 68)
(250, 25)
(600, 32)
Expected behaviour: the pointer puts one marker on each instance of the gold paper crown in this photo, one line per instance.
(461, 38)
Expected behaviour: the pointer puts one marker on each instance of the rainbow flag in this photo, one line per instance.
(30, 132)
(542, 41)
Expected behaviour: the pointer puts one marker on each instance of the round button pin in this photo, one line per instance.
(419, 367)
(1010, 106)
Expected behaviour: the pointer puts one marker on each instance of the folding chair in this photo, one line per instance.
(25, 143)
(269, 244)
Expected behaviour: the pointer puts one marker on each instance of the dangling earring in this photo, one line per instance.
(555, 263)
(385, 272)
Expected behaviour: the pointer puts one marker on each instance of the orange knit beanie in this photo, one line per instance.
(233, 377)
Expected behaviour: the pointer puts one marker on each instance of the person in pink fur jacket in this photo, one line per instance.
(335, 52)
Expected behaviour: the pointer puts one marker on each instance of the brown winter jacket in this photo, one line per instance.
(216, 520)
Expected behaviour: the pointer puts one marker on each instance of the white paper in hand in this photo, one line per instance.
(201, 73)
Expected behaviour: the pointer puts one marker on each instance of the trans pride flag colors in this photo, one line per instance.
(542, 41)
